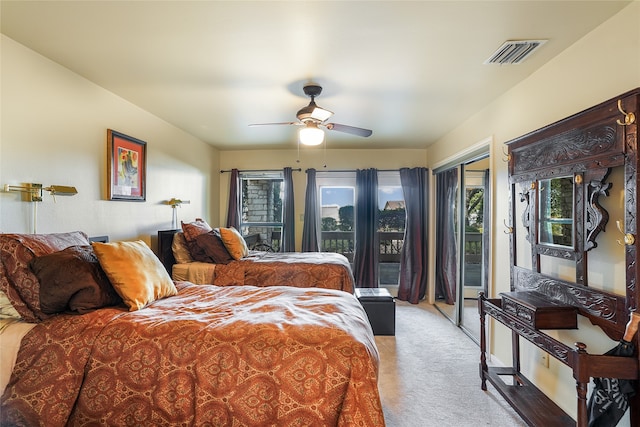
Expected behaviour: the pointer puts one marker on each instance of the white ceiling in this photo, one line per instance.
(410, 71)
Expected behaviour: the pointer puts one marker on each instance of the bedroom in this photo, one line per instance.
(54, 127)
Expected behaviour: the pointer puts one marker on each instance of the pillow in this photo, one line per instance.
(209, 247)
(234, 242)
(180, 249)
(135, 272)
(17, 280)
(193, 229)
(72, 280)
(6, 309)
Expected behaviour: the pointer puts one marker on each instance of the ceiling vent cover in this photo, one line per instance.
(514, 51)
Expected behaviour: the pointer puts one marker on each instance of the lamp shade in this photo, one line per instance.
(311, 135)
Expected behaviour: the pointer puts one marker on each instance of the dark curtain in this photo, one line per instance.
(414, 254)
(446, 185)
(310, 227)
(233, 210)
(288, 243)
(366, 249)
(486, 229)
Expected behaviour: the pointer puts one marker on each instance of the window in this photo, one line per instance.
(262, 194)
(337, 192)
(391, 225)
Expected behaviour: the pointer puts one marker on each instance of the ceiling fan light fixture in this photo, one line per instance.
(321, 114)
(311, 135)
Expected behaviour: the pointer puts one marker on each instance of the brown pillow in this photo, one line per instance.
(135, 272)
(72, 280)
(17, 280)
(234, 242)
(193, 229)
(210, 248)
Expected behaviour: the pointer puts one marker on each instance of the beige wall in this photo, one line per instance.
(604, 64)
(53, 131)
(311, 157)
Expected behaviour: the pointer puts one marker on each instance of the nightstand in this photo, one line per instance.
(165, 253)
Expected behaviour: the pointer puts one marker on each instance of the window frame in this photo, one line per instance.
(274, 175)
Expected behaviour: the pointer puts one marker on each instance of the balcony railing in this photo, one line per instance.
(342, 242)
(472, 248)
(390, 243)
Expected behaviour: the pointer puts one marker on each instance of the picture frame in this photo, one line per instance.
(126, 167)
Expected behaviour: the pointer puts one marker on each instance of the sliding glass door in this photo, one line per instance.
(462, 241)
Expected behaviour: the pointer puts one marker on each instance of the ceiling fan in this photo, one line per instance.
(313, 118)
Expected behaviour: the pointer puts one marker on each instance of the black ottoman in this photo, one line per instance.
(380, 308)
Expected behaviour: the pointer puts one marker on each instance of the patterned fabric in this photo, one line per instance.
(16, 279)
(241, 356)
(209, 247)
(302, 270)
(191, 230)
(72, 280)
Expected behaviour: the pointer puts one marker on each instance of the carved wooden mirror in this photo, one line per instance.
(555, 212)
(562, 214)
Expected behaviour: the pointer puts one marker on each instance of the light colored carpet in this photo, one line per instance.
(429, 375)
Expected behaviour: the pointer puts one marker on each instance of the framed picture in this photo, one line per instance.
(126, 168)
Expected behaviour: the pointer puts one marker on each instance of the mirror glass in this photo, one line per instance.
(555, 216)
(521, 232)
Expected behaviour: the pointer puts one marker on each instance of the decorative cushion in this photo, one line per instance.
(180, 249)
(17, 280)
(72, 280)
(210, 248)
(193, 229)
(135, 272)
(6, 309)
(234, 242)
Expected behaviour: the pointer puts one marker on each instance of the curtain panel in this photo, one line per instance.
(366, 248)
(486, 232)
(233, 209)
(446, 254)
(288, 214)
(414, 255)
(310, 240)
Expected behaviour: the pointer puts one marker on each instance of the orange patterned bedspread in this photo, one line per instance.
(222, 356)
(298, 269)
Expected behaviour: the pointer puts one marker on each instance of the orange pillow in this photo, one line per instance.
(135, 272)
(234, 242)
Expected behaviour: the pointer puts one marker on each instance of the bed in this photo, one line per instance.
(201, 355)
(206, 257)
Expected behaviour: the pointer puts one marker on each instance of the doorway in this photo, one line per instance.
(462, 241)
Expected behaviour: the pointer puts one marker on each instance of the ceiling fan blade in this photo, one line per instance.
(280, 123)
(349, 129)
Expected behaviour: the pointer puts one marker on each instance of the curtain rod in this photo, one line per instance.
(258, 170)
(355, 170)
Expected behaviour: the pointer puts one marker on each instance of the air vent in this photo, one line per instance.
(514, 51)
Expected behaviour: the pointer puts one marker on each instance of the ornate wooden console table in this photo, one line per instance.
(557, 175)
